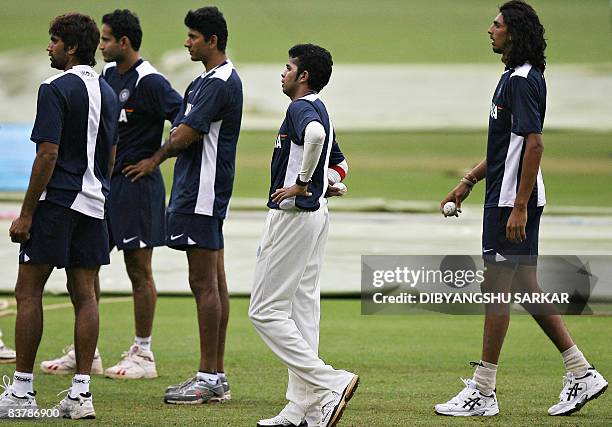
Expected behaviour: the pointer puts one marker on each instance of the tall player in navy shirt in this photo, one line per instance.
(136, 210)
(204, 136)
(285, 300)
(514, 201)
(61, 223)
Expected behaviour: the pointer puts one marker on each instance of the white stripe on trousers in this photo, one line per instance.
(285, 306)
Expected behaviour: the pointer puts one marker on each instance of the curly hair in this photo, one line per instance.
(316, 60)
(124, 23)
(77, 29)
(209, 21)
(527, 42)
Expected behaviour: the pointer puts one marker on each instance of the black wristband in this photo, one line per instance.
(301, 183)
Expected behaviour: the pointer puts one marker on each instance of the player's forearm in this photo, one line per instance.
(479, 171)
(314, 137)
(42, 169)
(529, 171)
(337, 173)
(177, 141)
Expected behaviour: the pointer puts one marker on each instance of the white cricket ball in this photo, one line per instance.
(449, 209)
(340, 186)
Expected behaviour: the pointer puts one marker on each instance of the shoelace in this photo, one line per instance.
(6, 385)
(459, 396)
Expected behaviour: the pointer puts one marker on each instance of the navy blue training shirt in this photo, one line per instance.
(517, 109)
(204, 172)
(289, 151)
(147, 99)
(78, 111)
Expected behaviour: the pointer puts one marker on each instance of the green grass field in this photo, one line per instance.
(393, 31)
(407, 364)
(576, 165)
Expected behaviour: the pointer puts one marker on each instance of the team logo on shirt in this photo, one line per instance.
(494, 111)
(124, 95)
(278, 142)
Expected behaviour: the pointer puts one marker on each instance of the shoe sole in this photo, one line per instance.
(347, 394)
(579, 405)
(146, 376)
(190, 402)
(68, 372)
(472, 414)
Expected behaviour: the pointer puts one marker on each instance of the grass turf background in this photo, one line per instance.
(576, 165)
(391, 31)
(407, 364)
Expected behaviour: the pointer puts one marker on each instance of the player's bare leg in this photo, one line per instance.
(138, 266)
(31, 280)
(497, 278)
(139, 361)
(224, 299)
(203, 280)
(86, 325)
(545, 314)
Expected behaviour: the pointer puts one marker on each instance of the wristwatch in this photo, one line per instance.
(301, 183)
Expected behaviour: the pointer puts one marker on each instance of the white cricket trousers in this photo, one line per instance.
(285, 307)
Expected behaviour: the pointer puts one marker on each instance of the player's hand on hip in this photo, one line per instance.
(515, 228)
(334, 191)
(286, 192)
(140, 169)
(456, 195)
(20, 229)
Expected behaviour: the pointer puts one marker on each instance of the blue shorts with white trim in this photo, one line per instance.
(63, 237)
(186, 231)
(497, 249)
(136, 212)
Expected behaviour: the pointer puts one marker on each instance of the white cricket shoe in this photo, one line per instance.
(7, 354)
(332, 411)
(278, 421)
(8, 400)
(469, 402)
(577, 391)
(136, 363)
(66, 364)
(76, 408)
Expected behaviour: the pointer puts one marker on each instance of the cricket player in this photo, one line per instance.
(204, 137)
(61, 223)
(514, 201)
(285, 300)
(136, 210)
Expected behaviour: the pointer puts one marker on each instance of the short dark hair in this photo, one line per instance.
(209, 21)
(123, 22)
(314, 59)
(527, 43)
(77, 29)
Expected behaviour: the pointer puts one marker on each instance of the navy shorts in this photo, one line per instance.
(136, 212)
(496, 249)
(63, 237)
(186, 231)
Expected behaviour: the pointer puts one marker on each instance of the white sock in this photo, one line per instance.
(80, 385)
(143, 343)
(23, 383)
(574, 361)
(484, 377)
(221, 375)
(208, 377)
